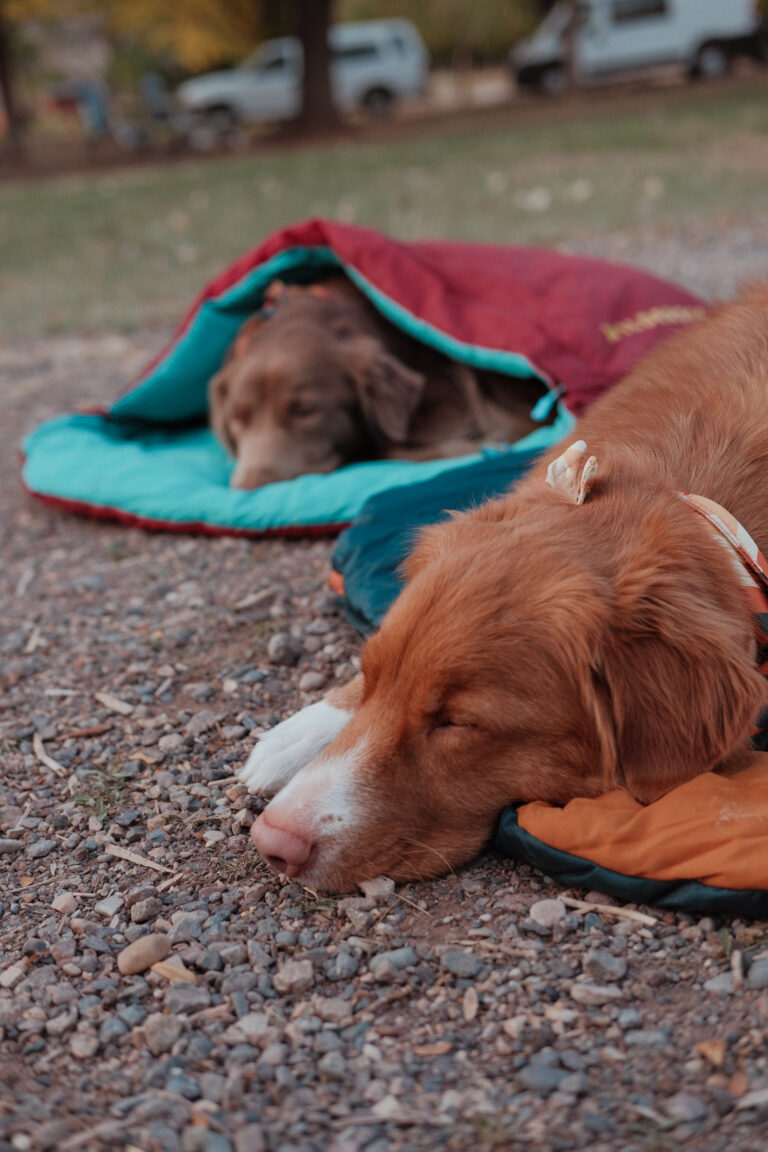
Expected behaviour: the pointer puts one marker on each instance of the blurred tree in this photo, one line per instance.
(196, 35)
(313, 20)
(12, 14)
(214, 32)
(7, 83)
(570, 42)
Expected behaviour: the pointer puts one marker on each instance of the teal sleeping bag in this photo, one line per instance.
(149, 458)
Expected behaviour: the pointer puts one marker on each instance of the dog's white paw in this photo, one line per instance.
(281, 752)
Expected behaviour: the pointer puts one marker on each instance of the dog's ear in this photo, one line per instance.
(244, 338)
(388, 391)
(677, 683)
(218, 393)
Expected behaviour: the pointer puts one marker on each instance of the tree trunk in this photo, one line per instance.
(7, 88)
(318, 111)
(571, 60)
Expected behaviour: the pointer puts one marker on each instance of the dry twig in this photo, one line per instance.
(39, 749)
(142, 861)
(608, 910)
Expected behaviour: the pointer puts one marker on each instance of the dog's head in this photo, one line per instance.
(309, 390)
(536, 653)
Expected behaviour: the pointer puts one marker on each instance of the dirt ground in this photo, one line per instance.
(487, 1010)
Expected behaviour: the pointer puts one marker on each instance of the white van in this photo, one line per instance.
(621, 36)
(374, 63)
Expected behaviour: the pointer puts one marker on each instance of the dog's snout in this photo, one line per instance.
(250, 478)
(285, 851)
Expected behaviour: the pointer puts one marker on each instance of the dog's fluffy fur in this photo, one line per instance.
(325, 381)
(541, 650)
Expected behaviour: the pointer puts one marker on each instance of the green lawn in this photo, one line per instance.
(132, 248)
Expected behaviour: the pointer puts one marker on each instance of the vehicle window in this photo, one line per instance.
(622, 11)
(274, 64)
(557, 19)
(356, 52)
(399, 44)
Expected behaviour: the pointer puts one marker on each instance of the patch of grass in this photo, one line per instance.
(653, 1136)
(106, 791)
(232, 868)
(497, 1134)
(117, 549)
(259, 633)
(308, 905)
(132, 248)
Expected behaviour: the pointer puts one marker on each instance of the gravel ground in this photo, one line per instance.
(160, 990)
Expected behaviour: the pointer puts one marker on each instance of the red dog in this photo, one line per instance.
(545, 648)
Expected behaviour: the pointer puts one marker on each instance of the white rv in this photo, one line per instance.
(615, 37)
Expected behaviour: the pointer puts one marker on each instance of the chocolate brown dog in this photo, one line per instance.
(319, 379)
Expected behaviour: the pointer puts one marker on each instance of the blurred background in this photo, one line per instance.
(146, 143)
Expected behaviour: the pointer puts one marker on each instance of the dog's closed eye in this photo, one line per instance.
(302, 410)
(444, 722)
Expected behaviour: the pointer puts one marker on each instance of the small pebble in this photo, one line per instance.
(161, 1031)
(379, 888)
(170, 742)
(548, 912)
(398, 959)
(250, 1138)
(721, 985)
(250, 1029)
(332, 1009)
(603, 966)
(109, 906)
(284, 648)
(595, 994)
(541, 1077)
(686, 1107)
(332, 1066)
(294, 976)
(144, 910)
(12, 974)
(461, 963)
(143, 953)
(628, 1018)
(65, 902)
(41, 848)
(201, 722)
(757, 977)
(84, 1045)
(183, 1085)
(185, 997)
(645, 1038)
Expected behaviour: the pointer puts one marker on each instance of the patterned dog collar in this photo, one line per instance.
(751, 568)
